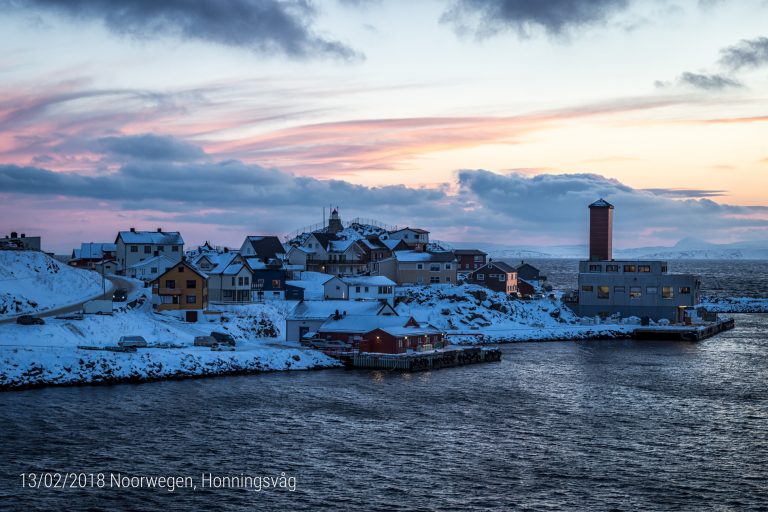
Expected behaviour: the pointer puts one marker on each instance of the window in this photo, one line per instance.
(611, 268)
(595, 268)
(247, 280)
(357, 289)
(434, 279)
(651, 290)
(635, 292)
(419, 266)
(170, 283)
(629, 268)
(161, 248)
(153, 270)
(147, 249)
(685, 290)
(664, 269)
(644, 268)
(447, 266)
(434, 267)
(259, 283)
(240, 281)
(619, 289)
(191, 283)
(502, 278)
(175, 248)
(228, 293)
(447, 279)
(603, 292)
(275, 283)
(233, 280)
(134, 248)
(191, 299)
(181, 269)
(366, 289)
(480, 277)
(586, 287)
(667, 292)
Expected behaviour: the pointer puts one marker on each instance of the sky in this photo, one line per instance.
(488, 121)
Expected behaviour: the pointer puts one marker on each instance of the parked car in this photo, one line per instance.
(29, 320)
(223, 338)
(120, 295)
(223, 348)
(205, 341)
(132, 341)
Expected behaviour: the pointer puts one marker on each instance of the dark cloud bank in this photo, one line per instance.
(264, 26)
(172, 177)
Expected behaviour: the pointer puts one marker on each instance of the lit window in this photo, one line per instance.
(667, 292)
(603, 292)
(630, 268)
(644, 268)
(635, 292)
(595, 268)
(586, 288)
(685, 290)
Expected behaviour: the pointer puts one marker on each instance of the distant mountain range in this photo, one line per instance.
(687, 248)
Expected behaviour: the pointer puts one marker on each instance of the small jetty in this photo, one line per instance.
(683, 332)
(423, 361)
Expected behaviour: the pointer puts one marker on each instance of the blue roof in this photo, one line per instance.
(601, 203)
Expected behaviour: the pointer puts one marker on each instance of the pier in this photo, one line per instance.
(683, 332)
(422, 361)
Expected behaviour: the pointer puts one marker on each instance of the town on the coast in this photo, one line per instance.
(358, 293)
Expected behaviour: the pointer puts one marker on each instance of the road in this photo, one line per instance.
(116, 282)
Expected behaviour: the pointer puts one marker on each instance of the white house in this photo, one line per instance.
(230, 280)
(151, 269)
(412, 236)
(360, 288)
(135, 246)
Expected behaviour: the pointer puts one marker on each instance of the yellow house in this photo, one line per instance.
(181, 288)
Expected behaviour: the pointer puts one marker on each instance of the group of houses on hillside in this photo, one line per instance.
(363, 264)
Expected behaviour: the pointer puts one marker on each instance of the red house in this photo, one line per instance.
(382, 334)
(470, 259)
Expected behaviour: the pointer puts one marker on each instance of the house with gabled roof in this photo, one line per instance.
(379, 288)
(229, 281)
(265, 248)
(497, 276)
(91, 253)
(418, 267)
(381, 334)
(181, 288)
(309, 315)
(416, 238)
(149, 270)
(135, 246)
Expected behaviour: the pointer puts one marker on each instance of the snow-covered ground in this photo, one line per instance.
(32, 281)
(48, 354)
(466, 311)
(735, 305)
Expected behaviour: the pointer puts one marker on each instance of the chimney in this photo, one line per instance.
(601, 231)
(14, 234)
(159, 230)
(133, 230)
(23, 235)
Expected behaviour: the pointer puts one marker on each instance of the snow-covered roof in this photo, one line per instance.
(413, 230)
(470, 252)
(256, 263)
(302, 249)
(362, 323)
(391, 243)
(94, 250)
(409, 331)
(162, 262)
(418, 256)
(322, 309)
(151, 237)
(601, 203)
(340, 245)
(221, 262)
(233, 269)
(368, 281)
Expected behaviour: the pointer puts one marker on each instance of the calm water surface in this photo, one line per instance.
(604, 425)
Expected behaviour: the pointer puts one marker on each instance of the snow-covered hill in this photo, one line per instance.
(32, 281)
(473, 310)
